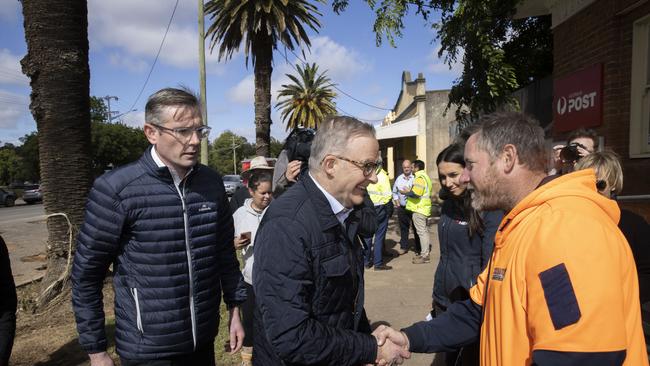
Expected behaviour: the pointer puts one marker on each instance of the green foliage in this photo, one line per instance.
(9, 164)
(29, 164)
(276, 147)
(252, 22)
(260, 25)
(220, 156)
(98, 110)
(20, 163)
(115, 144)
(499, 54)
(308, 100)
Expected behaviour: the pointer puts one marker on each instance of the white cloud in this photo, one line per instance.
(242, 93)
(133, 119)
(10, 70)
(438, 65)
(9, 9)
(13, 109)
(340, 62)
(133, 64)
(136, 28)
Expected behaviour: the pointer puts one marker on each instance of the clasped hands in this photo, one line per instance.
(393, 346)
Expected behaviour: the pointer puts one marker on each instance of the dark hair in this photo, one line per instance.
(584, 132)
(454, 154)
(496, 130)
(171, 97)
(257, 177)
(419, 164)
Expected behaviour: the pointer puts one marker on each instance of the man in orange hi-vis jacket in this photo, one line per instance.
(561, 287)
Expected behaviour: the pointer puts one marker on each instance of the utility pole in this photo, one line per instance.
(204, 104)
(234, 154)
(108, 104)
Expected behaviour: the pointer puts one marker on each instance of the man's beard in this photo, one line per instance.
(491, 197)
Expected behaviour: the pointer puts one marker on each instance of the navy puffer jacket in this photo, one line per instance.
(308, 282)
(172, 255)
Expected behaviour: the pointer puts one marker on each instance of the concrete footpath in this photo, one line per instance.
(402, 296)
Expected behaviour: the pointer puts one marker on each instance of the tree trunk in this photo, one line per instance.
(56, 32)
(263, 70)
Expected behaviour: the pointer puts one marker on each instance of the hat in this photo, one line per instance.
(257, 163)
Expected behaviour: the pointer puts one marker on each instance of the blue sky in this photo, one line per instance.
(125, 36)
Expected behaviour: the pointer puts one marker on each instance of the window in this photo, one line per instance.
(640, 93)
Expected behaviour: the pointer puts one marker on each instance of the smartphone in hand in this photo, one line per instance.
(246, 235)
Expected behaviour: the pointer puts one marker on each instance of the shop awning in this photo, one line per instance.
(398, 129)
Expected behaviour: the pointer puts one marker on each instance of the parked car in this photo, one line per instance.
(231, 183)
(32, 194)
(7, 197)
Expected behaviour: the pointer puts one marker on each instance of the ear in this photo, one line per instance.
(151, 133)
(509, 157)
(329, 165)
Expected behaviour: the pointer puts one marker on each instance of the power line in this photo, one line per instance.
(156, 59)
(339, 89)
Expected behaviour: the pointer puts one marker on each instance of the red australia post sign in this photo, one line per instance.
(578, 99)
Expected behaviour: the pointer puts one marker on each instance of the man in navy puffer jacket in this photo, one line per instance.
(308, 270)
(165, 224)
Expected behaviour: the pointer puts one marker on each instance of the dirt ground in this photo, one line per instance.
(49, 337)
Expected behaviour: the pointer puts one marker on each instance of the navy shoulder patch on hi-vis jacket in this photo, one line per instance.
(560, 296)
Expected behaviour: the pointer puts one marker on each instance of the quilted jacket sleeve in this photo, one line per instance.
(284, 283)
(97, 245)
(232, 282)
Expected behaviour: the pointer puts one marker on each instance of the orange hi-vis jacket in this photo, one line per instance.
(561, 278)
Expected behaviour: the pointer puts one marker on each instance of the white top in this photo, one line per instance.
(247, 219)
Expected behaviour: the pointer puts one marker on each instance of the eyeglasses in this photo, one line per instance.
(367, 168)
(186, 133)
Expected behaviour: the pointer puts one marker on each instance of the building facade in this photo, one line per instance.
(418, 127)
(601, 80)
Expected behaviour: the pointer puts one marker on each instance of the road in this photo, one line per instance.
(20, 213)
(25, 232)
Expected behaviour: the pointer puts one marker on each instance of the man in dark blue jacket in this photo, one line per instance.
(165, 225)
(308, 271)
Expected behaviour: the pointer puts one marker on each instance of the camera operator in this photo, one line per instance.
(580, 143)
(293, 159)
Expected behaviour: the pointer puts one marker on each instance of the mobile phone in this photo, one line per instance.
(246, 235)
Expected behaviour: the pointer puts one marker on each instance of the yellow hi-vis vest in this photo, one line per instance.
(380, 193)
(422, 204)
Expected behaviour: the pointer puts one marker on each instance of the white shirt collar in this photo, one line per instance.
(338, 209)
(177, 178)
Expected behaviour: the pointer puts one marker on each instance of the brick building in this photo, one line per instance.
(604, 46)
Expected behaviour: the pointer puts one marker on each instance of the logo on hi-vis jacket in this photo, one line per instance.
(498, 274)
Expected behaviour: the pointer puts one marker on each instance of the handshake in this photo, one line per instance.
(393, 346)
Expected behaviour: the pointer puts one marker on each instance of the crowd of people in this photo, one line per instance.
(519, 281)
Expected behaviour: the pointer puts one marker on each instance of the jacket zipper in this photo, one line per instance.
(189, 261)
(138, 317)
(354, 277)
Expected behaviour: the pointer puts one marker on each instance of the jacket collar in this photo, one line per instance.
(150, 165)
(324, 210)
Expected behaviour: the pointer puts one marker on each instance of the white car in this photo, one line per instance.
(231, 183)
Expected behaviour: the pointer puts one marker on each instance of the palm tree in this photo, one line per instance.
(308, 100)
(56, 32)
(259, 25)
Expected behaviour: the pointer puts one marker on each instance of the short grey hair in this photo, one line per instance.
(171, 97)
(333, 136)
(496, 130)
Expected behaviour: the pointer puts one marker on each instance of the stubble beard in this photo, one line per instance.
(492, 196)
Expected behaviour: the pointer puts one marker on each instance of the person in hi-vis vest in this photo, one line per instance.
(419, 203)
(380, 194)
